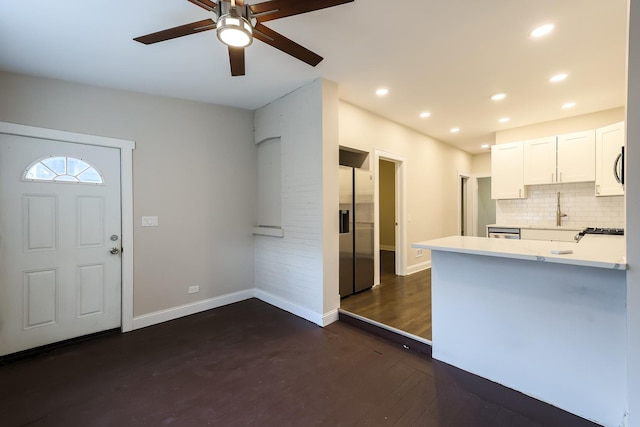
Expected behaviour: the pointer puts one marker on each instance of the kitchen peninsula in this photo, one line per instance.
(545, 318)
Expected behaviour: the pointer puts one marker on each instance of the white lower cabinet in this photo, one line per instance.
(609, 142)
(507, 171)
(556, 235)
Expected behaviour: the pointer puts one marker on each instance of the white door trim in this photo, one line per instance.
(401, 212)
(469, 203)
(126, 175)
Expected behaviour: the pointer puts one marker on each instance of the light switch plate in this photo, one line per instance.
(149, 221)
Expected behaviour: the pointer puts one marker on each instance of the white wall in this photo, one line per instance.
(299, 272)
(555, 332)
(562, 126)
(481, 164)
(431, 172)
(194, 167)
(330, 202)
(633, 215)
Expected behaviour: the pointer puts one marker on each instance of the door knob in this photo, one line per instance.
(114, 251)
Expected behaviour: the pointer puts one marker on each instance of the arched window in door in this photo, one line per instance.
(62, 169)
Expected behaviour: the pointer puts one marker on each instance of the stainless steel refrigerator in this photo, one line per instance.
(356, 230)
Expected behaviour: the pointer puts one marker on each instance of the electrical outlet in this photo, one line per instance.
(419, 252)
(194, 289)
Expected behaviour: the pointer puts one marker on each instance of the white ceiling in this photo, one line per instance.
(444, 56)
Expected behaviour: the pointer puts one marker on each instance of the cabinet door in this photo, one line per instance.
(546, 234)
(577, 157)
(507, 171)
(609, 141)
(540, 161)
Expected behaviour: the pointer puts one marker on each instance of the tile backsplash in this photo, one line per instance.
(578, 201)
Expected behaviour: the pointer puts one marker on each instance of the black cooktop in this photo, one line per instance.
(600, 230)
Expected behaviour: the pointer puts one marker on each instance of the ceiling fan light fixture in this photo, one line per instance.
(234, 30)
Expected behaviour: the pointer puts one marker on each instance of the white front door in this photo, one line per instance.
(58, 276)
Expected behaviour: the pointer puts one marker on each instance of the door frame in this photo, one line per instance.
(470, 224)
(126, 148)
(401, 211)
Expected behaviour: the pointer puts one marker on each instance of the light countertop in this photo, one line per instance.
(600, 251)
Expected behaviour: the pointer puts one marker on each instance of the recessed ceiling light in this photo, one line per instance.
(504, 120)
(382, 91)
(542, 30)
(485, 146)
(454, 130)
(558, 77)
(499, 96)
(569, 105)
(424, 114)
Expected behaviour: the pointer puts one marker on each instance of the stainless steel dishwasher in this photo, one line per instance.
(503, 233)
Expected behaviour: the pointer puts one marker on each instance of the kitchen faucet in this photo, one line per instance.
(559, 214)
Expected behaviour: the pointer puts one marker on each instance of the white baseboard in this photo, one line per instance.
(188, 309)
(330, 317)
(283, 304)
(387, 248)
(418, 267)
(173, 313)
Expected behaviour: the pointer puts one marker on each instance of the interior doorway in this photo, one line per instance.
(465, 223)
(399, 302)
(391, 177)
(486, 210)
(388, 216)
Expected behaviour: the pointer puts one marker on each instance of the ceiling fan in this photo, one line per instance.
(237, 23)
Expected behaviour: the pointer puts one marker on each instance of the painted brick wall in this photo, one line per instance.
(291, 268)
(578, 201)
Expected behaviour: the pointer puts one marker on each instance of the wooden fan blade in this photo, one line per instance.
(286, 45)
(182, 30)
(236, 60)
(205, 4)
(275, 9)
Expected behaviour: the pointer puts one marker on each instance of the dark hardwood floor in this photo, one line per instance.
(402, 302)
(251, 364)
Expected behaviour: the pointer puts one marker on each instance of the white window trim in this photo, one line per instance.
(126, 148)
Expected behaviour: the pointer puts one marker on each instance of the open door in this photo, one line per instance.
(390, 174)
(388, 223)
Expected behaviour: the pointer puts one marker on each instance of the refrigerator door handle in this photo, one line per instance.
(344, 221)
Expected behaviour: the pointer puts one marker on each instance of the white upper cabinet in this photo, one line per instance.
(609, 141)
(507, 174)
(585, 156)
(540, 161)
(556, 159)
(577, 157)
